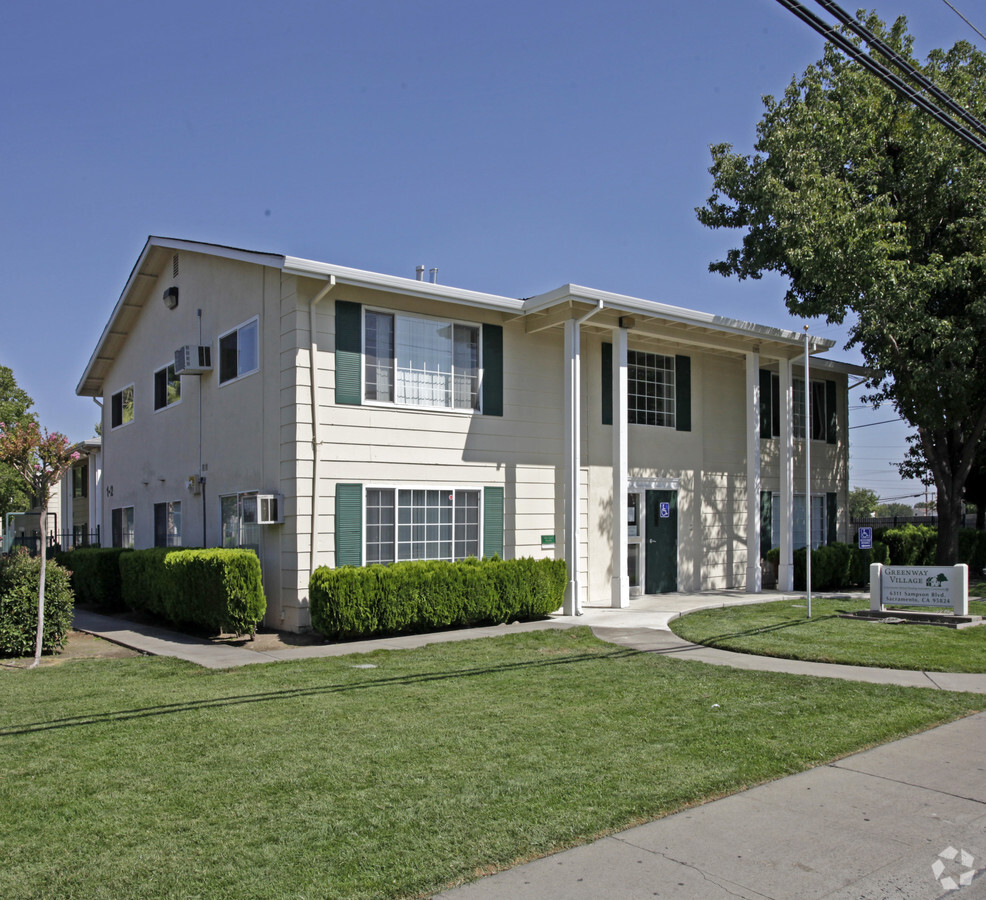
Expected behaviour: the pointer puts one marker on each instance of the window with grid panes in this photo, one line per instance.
(651, 397)
(421, 523)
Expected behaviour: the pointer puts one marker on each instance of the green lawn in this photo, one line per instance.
(154, 778)
(781, 628)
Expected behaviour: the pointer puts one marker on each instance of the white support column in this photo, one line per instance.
(754, 574)
(573, 468)
(621, 578)
(785, 569)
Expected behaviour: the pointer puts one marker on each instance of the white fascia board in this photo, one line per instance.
(672, 313)
(834, 365)
(409, 287)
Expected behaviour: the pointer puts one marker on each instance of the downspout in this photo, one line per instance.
(313, 372)
(573, 462)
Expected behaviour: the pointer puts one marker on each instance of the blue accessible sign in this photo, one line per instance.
(866, 538)
(665, 510)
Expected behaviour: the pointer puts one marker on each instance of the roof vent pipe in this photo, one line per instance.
(419, 273)
(434, 275)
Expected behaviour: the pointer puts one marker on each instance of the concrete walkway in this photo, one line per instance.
(903, 820)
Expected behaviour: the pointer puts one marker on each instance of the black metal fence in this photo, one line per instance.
(56, 541)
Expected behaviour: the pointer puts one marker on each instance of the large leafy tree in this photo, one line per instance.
(877, 216)
(862, 503)
(15, 407)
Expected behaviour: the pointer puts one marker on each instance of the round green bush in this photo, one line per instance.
(19, 576)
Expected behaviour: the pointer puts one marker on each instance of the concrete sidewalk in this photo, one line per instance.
(896, 821)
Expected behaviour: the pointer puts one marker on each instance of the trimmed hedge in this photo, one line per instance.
(95, 576)
(915, 545)
(19, 577)
(835, 565)
(408, 597)
(220, 590)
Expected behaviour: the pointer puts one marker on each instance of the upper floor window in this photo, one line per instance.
(239, 351)
(823, 414)
(122, 407)
(417, 361)
(167, 387)
(651, 388)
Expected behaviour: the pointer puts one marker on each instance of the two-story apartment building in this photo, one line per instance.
(330, 416)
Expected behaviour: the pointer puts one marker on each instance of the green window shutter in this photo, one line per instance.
(493, 522)
(683, 393)
(349, 352)
(493, 370)
(831, 427)
(765, 398)
(832, 517)
(349, 525)
(766, 500)
(607, 383)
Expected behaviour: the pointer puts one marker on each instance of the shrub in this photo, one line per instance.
(19, 577)
(859, 565)
(406, 597)
(910, 545)
(144, 583)
(95, 576)
(220, 590)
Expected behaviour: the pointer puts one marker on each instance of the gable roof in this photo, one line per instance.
(600, 309)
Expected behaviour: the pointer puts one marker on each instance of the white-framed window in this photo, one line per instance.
(167, 524)
(238, 515)
(167, 387)
(650, 389)
(819, 408)
(421, 361)
(819, 521)
(239, 351)
(123, 526)
(122, 407)
(421, 523)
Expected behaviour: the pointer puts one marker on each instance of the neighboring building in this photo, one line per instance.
(438, 422)
(81, 499)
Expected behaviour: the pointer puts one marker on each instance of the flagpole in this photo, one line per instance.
(807, 476)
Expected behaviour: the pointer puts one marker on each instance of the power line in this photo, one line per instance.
(894, 81)
(964, 19)
(871, 424)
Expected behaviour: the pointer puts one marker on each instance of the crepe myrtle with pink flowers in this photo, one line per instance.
(39, 459)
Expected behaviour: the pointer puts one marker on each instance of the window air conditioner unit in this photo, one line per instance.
(270, 509)
(193, 360)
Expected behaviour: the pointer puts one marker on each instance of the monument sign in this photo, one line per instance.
(920, 586)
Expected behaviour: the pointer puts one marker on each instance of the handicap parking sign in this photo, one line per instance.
(665, 510)
(865, 538)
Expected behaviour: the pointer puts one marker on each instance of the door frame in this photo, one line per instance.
(641, 486)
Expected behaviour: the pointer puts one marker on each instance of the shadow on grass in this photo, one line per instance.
(125, 715)
(767, 629)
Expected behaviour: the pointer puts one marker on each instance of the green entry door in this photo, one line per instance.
(661, 575)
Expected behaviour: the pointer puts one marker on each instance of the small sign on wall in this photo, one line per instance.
(547, 540)
(665, 512)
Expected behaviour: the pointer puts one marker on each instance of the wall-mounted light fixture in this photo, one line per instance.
(171, 297)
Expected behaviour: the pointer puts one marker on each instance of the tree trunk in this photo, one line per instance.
(949, 523)
(41, 589)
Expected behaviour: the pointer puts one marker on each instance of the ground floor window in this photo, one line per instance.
(238, 514)
(123, 526)
(819, 521)
(421, 523)
(167, 524)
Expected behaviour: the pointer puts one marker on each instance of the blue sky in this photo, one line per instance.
(516, 146)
